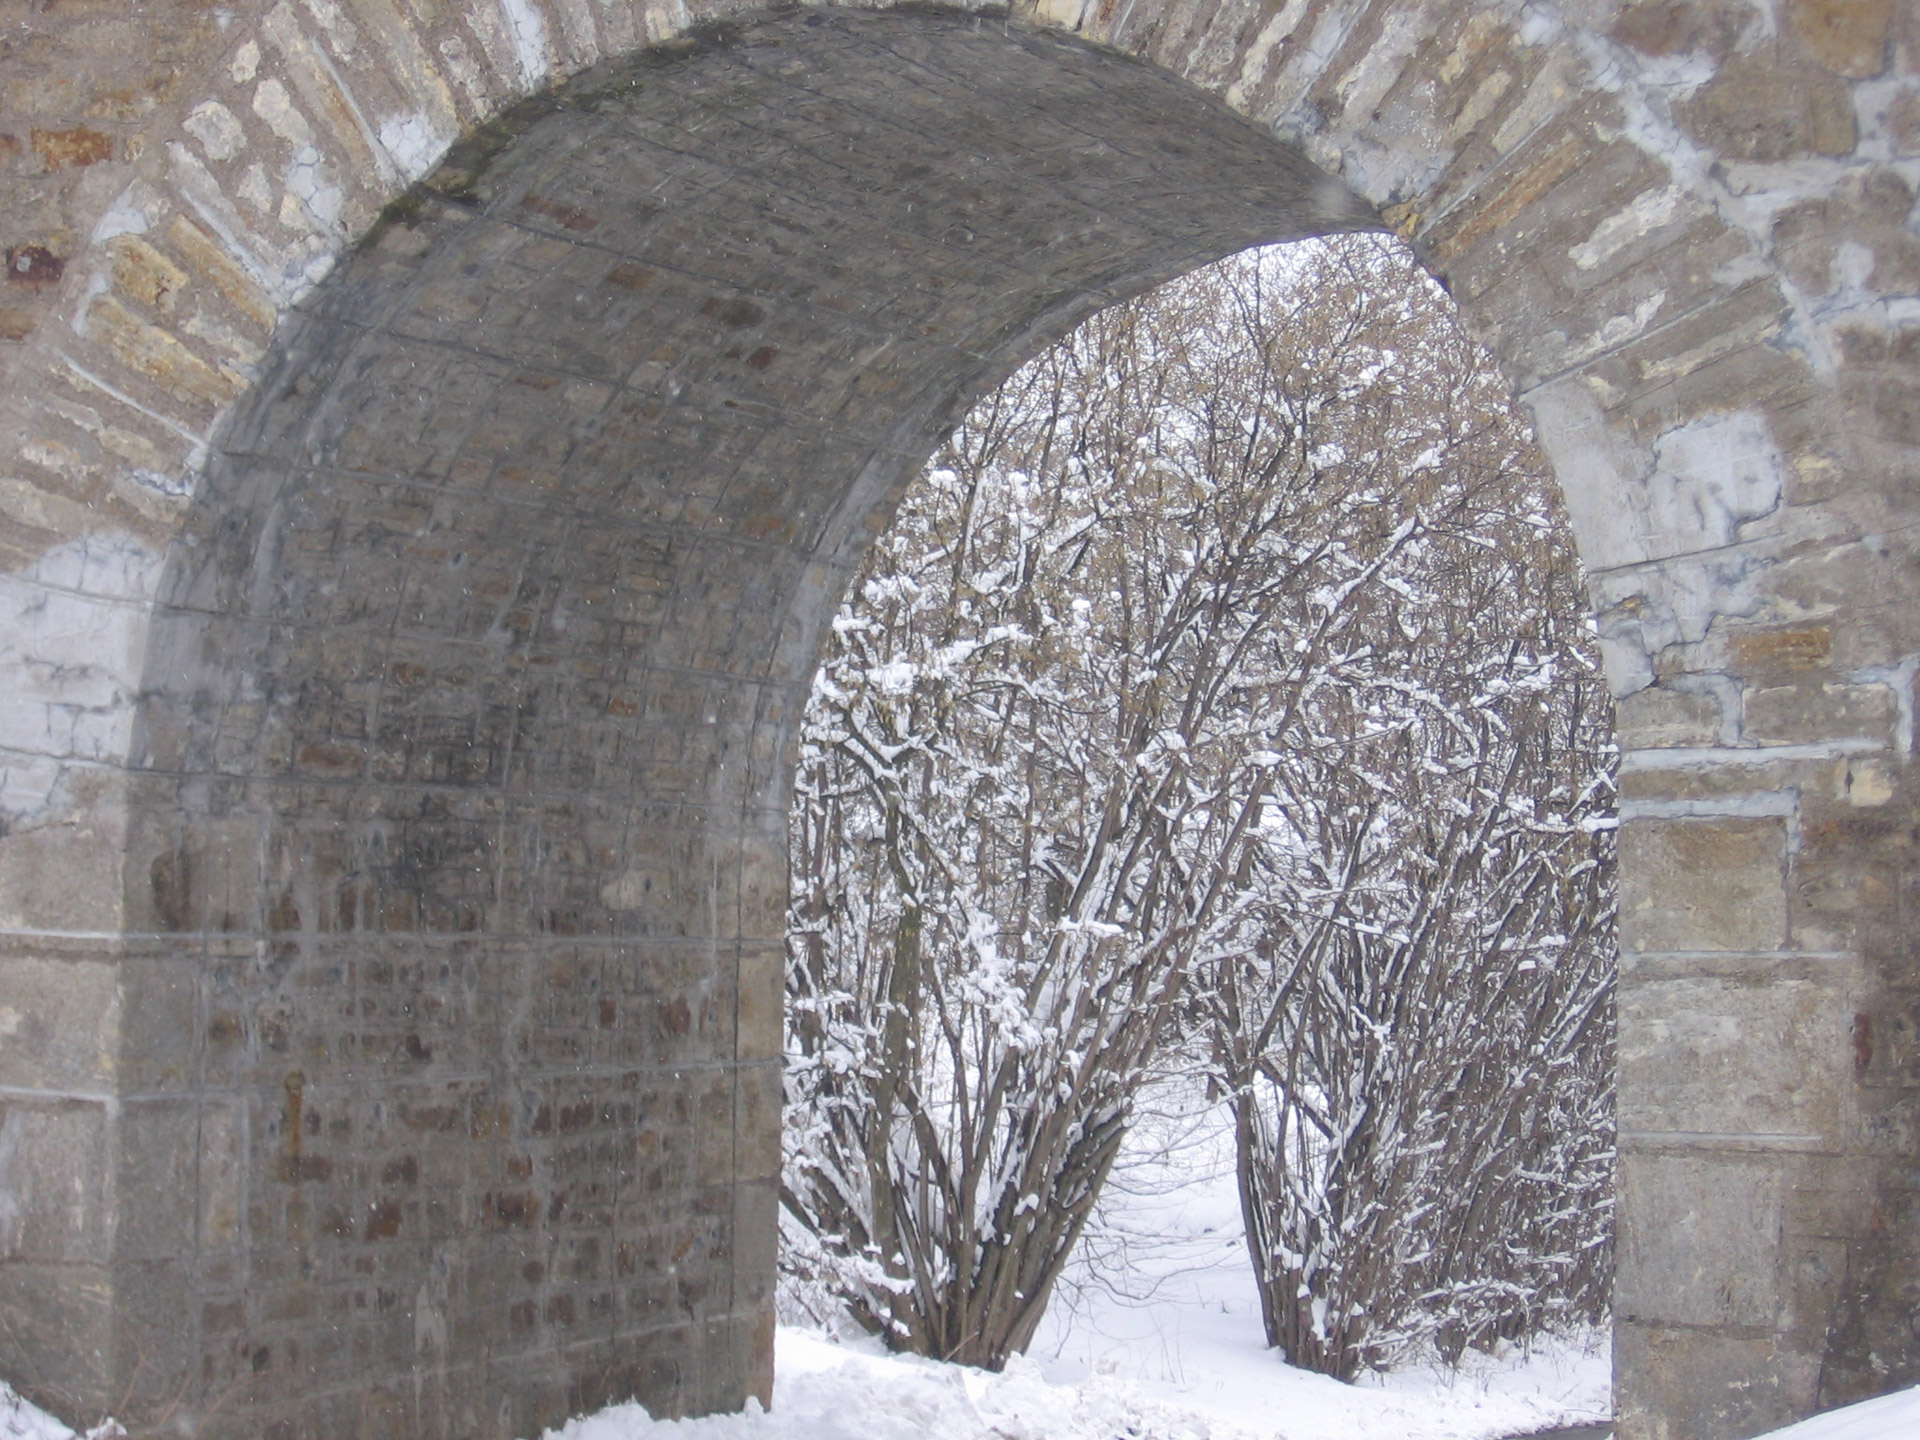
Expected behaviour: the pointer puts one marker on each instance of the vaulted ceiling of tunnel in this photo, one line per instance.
(552, 482)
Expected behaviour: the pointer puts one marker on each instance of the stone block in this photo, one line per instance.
(756, 1242)
(1760, 110)
(59, 1022)
(160, 1043)
(63, 876)
(1743, 1050)
(222, 1176)
(1848, 37)
(157, 1158)
(1847, 886)
(1888, 405)
(756, 1121)
(73, 148)
(146, 275)
(1678, 1383)
(762, 1002)
(1815, 1272)
(56, 1188)
(18, 323)
(1903, 123)
(763, 881)
(1663, 27)
(1808, 713)
(716, 1109)
(161, 357)
(1699, 1240)
(1865, 782)
(1712, 883)
(1659, 718)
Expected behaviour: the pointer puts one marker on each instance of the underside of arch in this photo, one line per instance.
(461, 768)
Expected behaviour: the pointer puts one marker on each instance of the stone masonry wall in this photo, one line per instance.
(403, 609)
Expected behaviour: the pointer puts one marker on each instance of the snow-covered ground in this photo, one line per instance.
(1891, 1417)
(1155, 1335)
(1161, 1304)
(830, 1391)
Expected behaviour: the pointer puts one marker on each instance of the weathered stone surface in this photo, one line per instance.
(1660, 718)
(1731, 1203)
(1688, 1381)
(67, 149)
(1756, 108)
(1848, 37)
(1689, 1063)
(398, 712)
(1703, 884)
(1799, 714)
(59, 1019)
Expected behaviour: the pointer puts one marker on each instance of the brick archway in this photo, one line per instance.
(401, 661)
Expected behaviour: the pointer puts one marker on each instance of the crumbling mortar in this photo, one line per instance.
(1726, 691)
(1898, 678)
(1781, 804)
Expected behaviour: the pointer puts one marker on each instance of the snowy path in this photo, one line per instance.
(1162, 1297)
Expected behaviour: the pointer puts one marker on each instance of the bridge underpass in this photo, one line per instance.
(416, 564)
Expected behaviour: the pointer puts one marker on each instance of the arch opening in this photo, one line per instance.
(1212, 756)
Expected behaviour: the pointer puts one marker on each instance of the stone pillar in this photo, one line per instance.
(70, 632)
(1766, 1253)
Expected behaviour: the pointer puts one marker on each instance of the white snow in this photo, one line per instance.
(1154, 1335)
(1891, 1417)
(849, 1391)
(1161, 1302)
(832, 1391)
(21, 1421)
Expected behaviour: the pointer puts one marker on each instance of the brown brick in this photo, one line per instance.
(1755, 109)
(72, 149)
(1794, 647)
(144, 273)
(1848, 37)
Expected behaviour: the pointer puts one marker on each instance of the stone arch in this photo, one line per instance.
(1686, 229)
